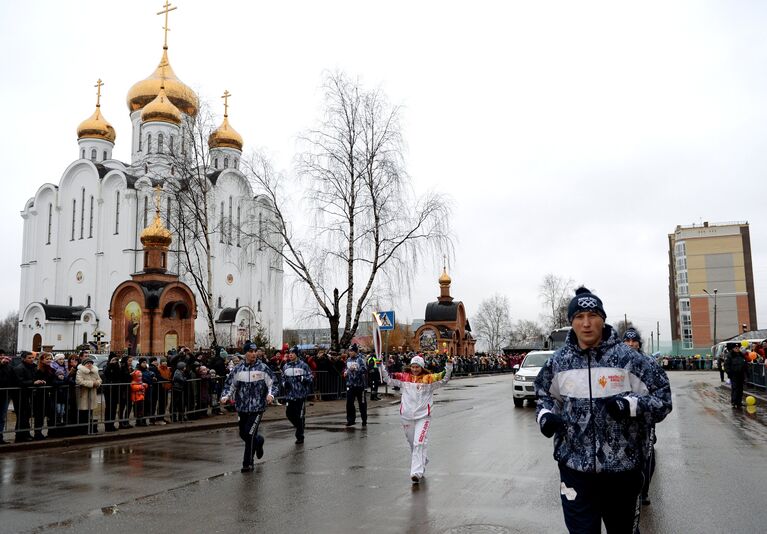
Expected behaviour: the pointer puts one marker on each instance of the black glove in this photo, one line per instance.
(551, 423)
(618, 408)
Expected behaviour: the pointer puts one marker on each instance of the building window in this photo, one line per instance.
(237, 303)
(171, 145)
(684, 305)
(50, 223)
(260, 232)
(159, 143)
(82, 213)
(117, 213)
(236, 162)
(229, 226)
(88, 305)
(93, 154)
(221, 224)
(82, 153)
(148, 143)
(90, 220)
(105, 156)
(74, 211)
(162, 257)
(226, 163)
(46, 302)
(146, 211)
(215, 163)
(239, 227)
(167, 215)
(85, 338)
(219, 301)
(70, 301)
(259, 306)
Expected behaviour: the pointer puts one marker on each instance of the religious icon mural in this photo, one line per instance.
(132, 327)
(428, 341)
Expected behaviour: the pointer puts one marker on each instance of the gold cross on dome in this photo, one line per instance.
(226, 96)
(165, 11)
(98, 85)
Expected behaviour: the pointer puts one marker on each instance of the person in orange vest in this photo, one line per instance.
(137, 389)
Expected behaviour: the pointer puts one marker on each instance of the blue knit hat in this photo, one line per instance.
(585, 300)
(249, 345)
(631, 334)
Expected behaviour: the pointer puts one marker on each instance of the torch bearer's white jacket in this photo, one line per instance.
(417, 391)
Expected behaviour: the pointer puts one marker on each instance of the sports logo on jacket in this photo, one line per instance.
(602, 381)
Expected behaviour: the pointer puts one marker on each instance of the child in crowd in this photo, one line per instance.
(137, 389)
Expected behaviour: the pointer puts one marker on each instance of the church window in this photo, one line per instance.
(236, 162)
(259, 305)
(237, 303)
(146, 211)
(46, 302)
(162, 256)
(148, 143)
(219, 301)
(171, 145)
(82, 153)
(50, 223)
(239, 227)
(74, 211)
(226, 163)
(82, 213)
(229, 238)
(260, 232)
(88, 305)
(117, 213)
(221, 224)
(85, 338)
(159, 143)
(90, 220)
(215, 163)
(70, 301)
(93, 154)
(105, 155)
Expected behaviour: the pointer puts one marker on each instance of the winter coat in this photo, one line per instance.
(137, 387)
(164, 377)
(735, 364)
(179, 380)
(249, 384)
(579, 383)
(87, 381)
(356, 372)
(297, 380)
(417, 391)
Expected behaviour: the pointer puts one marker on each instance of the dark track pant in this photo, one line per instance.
(647, 470)
(359, 393)
(736, 382)
(590, 498)
(249, 423)
(296, 414)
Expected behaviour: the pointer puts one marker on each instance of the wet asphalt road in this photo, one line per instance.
(490, 471)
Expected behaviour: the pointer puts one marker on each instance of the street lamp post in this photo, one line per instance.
(714, 295)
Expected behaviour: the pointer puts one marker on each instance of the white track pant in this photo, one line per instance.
(417, 436)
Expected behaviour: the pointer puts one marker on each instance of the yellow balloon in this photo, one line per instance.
(751, 409)
(750, 401)
(744, 343)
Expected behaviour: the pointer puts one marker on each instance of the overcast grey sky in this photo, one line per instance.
(571, 136)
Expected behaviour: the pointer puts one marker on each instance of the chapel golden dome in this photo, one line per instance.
(145, 91)
(225, 137)
(156, 235)
(161, 109)
(444, 278)
(96, 127)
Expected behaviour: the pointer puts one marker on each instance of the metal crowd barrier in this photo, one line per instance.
(755, 375)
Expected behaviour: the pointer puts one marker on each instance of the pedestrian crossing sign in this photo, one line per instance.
(385, 320)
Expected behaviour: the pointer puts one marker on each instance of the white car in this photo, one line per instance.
(523, 388)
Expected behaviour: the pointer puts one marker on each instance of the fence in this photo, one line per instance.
(755, 375)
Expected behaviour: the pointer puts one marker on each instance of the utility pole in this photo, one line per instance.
(657, 336)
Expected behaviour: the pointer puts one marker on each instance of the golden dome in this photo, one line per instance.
(444, 279)
(156, 235)
(96, 127)
(161, 109)
(143, 92)
(225, 137)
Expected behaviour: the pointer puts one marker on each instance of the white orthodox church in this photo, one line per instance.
(82, 234)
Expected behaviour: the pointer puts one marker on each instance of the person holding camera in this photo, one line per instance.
(252, 386)
(297, 384)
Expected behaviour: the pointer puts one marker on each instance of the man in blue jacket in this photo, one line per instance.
(296, 384)
(252, 386)
(356, 374)
(597, 398)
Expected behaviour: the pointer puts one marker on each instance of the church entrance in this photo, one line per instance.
(37, 343)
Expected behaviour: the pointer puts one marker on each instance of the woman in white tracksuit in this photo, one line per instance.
(417, 389)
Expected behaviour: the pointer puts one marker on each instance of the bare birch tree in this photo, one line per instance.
(555, 293)
(492, 322)
(527, 330)
(366, 229)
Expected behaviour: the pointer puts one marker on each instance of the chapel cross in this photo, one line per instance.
(226, 96)
(157, 193)
(98, 85)
(165, 11)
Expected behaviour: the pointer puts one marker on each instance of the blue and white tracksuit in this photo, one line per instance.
(249, 385)
(356, 381)
(297, 382)
(596, 452)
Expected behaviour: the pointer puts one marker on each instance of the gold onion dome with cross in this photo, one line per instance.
(145, 91)
(444, 279)
(161, 109)
(156, 235)
(225, 136)
(95, 126)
